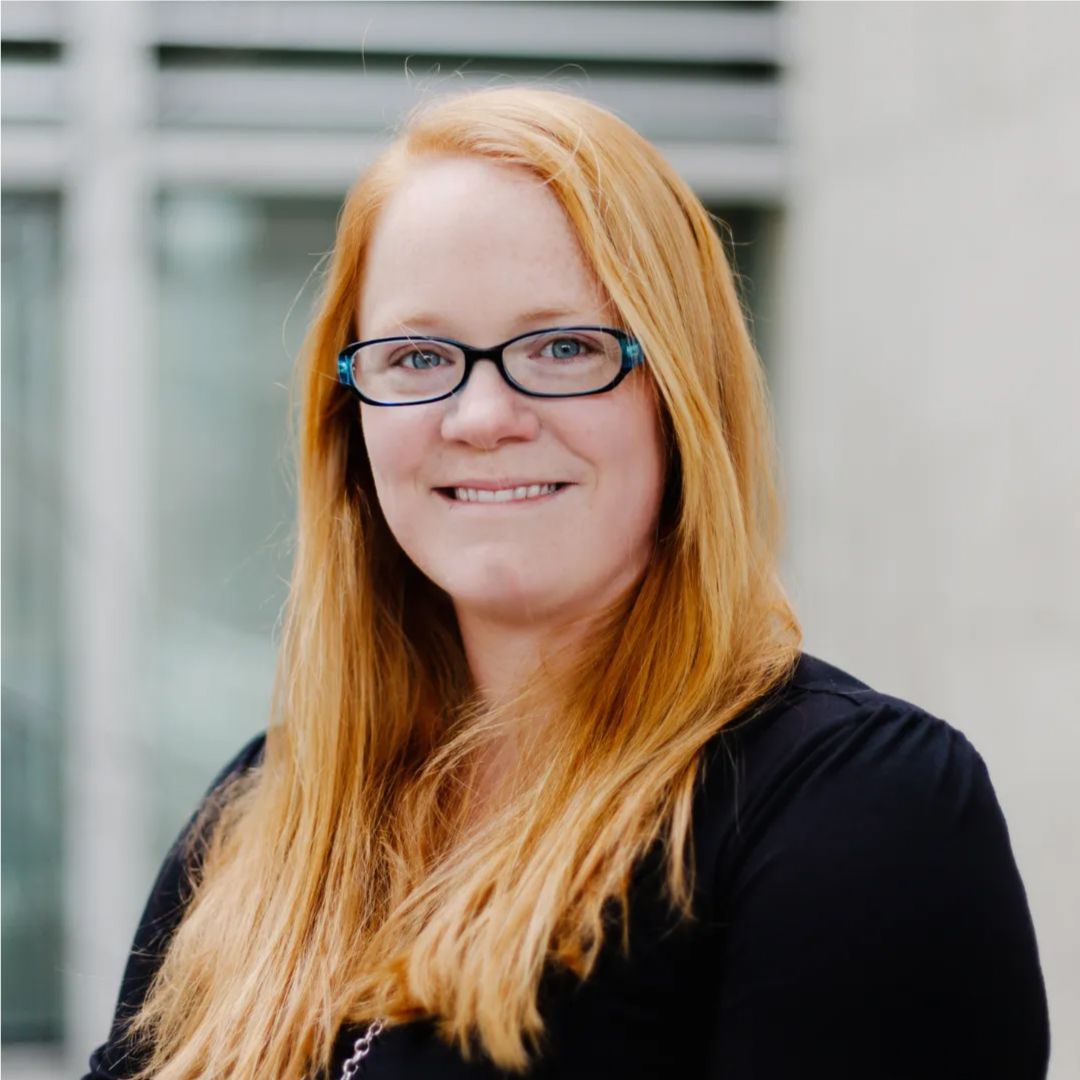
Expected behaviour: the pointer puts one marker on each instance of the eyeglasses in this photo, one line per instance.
(566, 361)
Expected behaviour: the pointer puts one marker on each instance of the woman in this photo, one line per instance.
(550, 788)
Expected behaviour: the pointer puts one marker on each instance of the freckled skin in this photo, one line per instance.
(474, 246)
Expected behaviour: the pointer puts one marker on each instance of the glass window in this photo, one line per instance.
(32, 620)
(236, 294)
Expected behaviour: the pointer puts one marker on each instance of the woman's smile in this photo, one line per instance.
(502, 495)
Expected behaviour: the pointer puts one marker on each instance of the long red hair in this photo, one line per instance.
(338, 884)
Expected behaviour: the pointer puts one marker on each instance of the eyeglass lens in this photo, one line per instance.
(549, 362)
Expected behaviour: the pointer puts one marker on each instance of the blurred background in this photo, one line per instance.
(902, 186)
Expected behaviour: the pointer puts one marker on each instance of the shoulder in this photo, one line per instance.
(828, 742)
(169, 892)
(161, 915)
(855, 856)
(827, 766)
(248, 757)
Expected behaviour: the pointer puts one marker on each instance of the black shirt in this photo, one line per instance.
(860, 915)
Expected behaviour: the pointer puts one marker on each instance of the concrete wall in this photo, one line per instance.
(928, 380)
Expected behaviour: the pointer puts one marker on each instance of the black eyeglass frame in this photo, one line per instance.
(629, 348)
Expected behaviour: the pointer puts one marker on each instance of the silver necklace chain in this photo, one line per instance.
(361, 1049)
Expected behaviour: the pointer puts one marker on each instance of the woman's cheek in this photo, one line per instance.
(396, 453)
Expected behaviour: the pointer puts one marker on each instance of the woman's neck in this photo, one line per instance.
(501, 659)
(502, 656)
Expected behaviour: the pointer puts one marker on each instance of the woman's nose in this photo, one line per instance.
(487, 410)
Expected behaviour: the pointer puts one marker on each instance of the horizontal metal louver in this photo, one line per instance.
(328, 80)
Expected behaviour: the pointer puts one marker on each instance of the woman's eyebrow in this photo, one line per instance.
(546, 315)
(424, 321)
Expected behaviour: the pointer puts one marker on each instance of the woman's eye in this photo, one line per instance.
(564, 349)
(420, 360)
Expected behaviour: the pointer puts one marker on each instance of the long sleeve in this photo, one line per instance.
(877, 925)
(114, 1060)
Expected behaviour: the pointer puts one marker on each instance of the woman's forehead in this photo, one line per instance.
(462, 234)
(453, 194)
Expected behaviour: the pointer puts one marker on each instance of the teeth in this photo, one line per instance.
(484, 495)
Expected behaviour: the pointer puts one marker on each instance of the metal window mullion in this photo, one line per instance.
(104, 437)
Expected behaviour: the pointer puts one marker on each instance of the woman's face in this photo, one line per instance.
(479, 252)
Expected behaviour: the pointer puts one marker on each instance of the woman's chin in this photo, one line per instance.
(504, 595)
